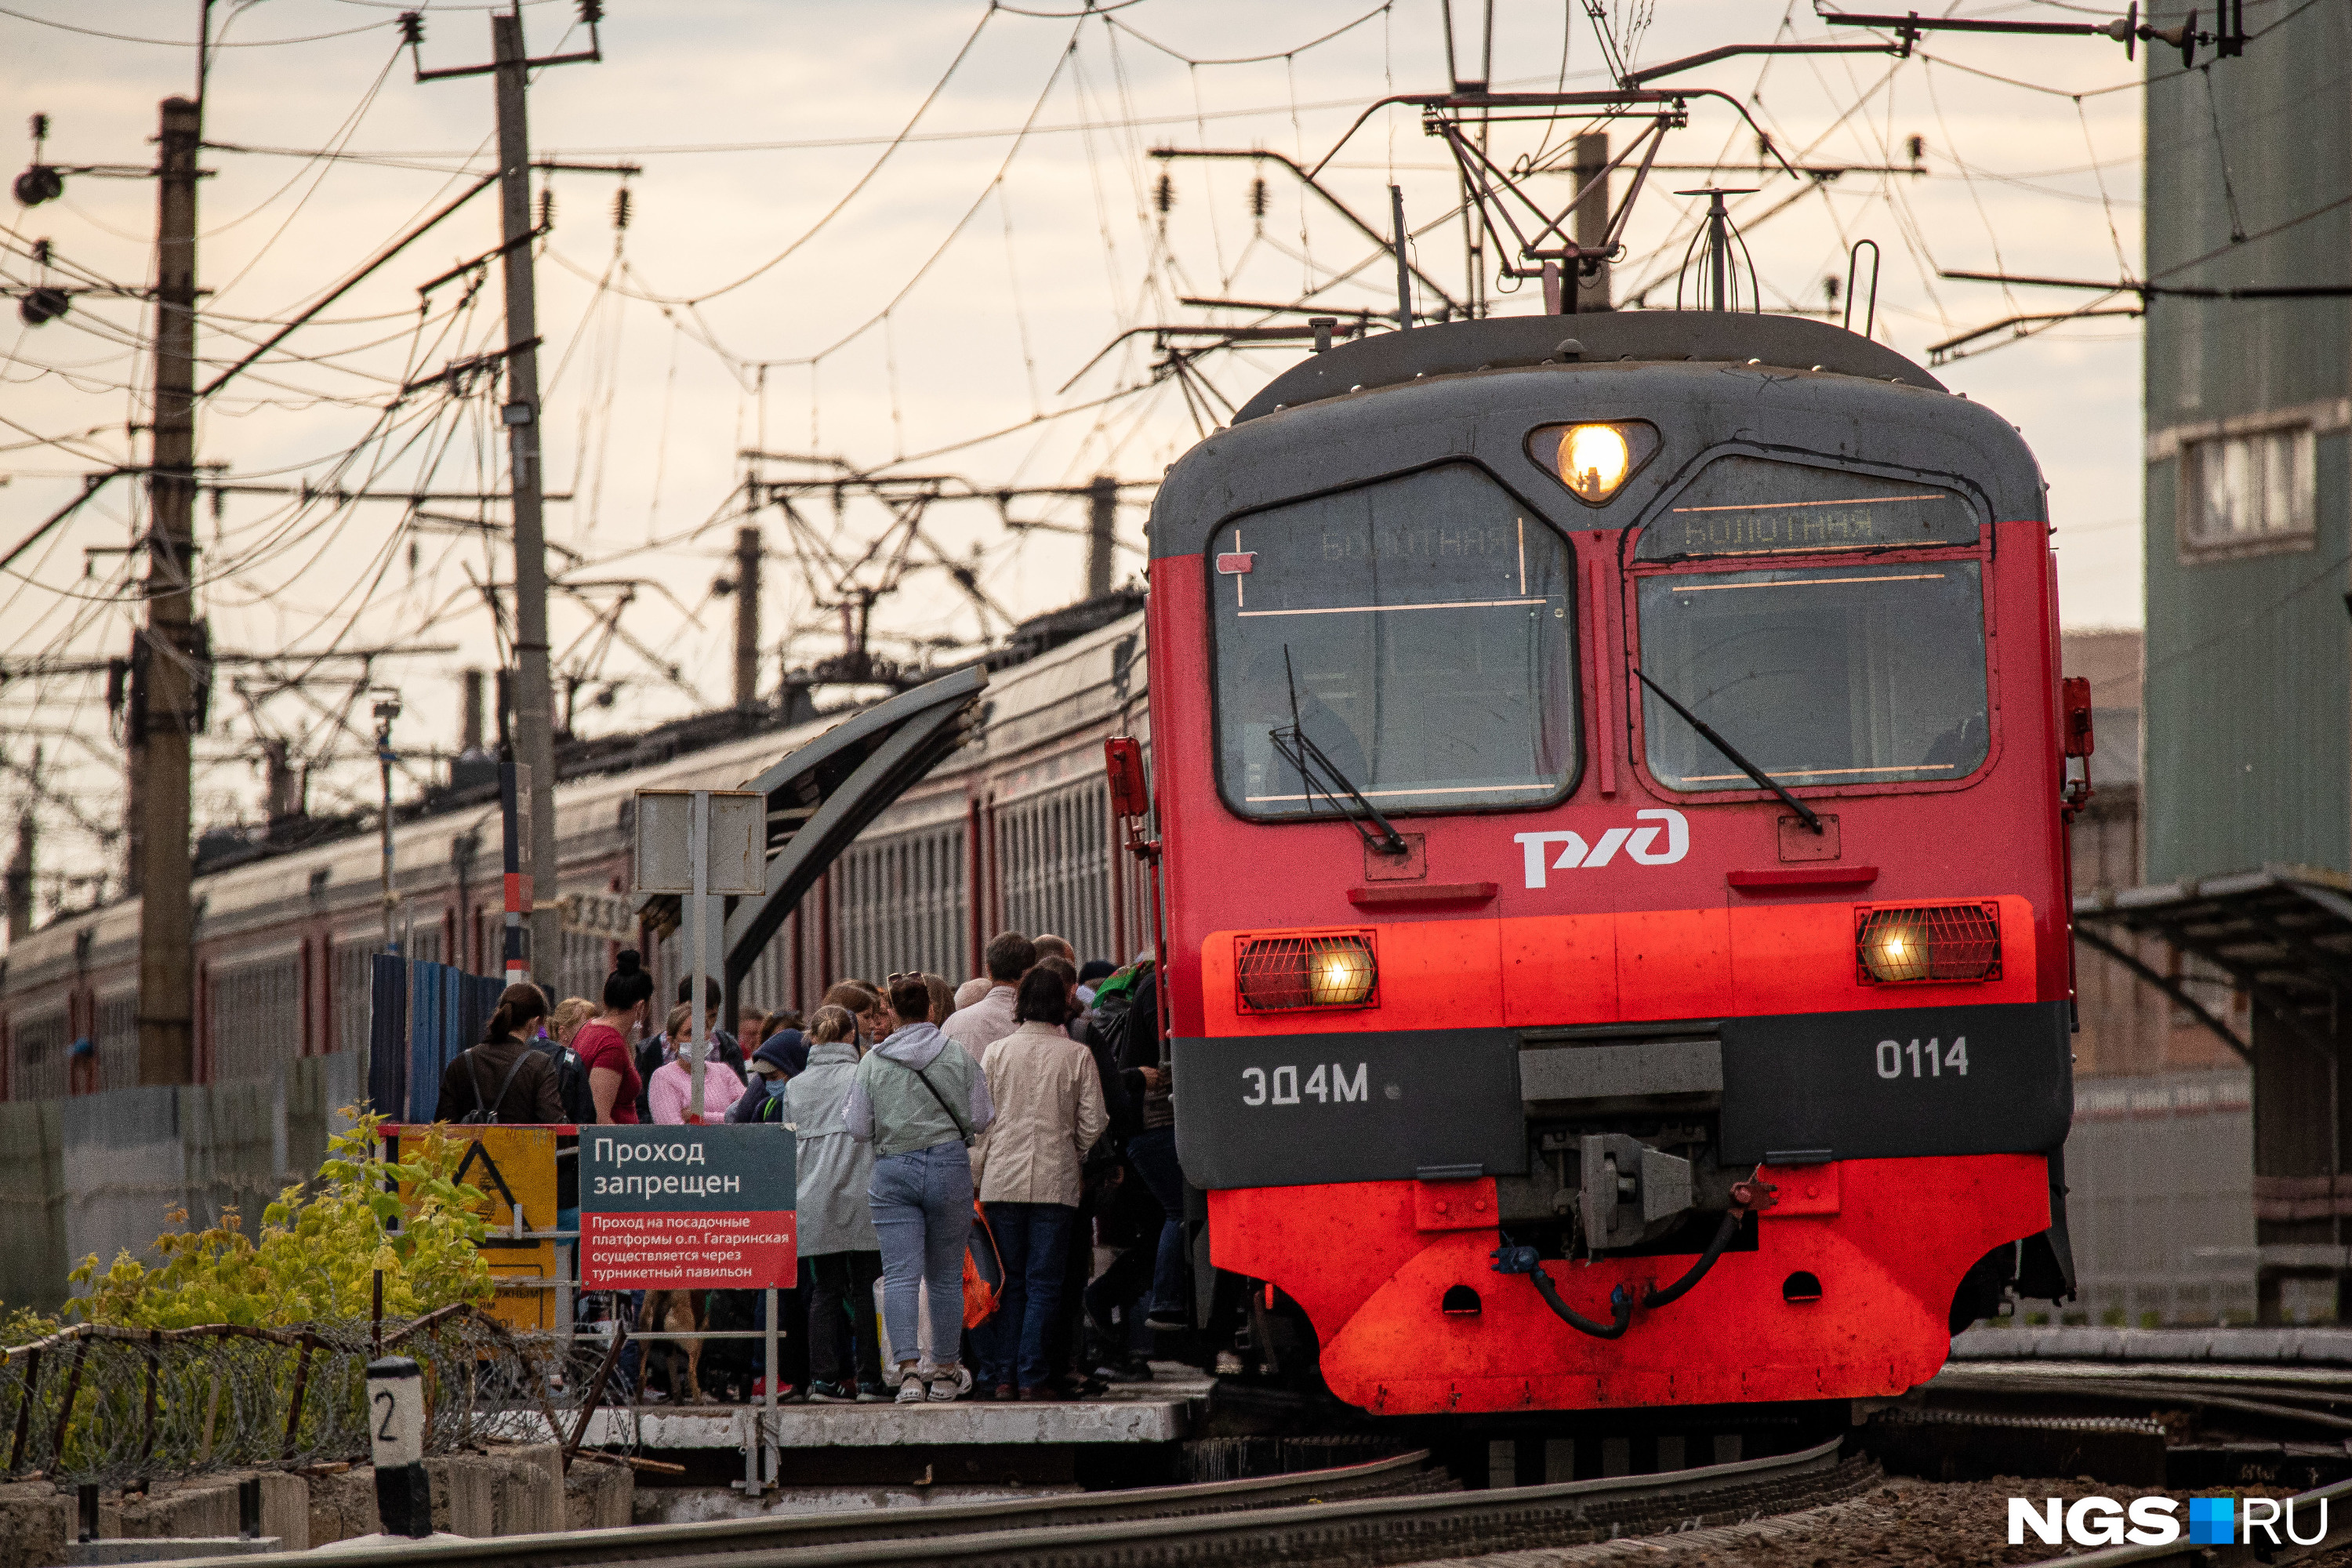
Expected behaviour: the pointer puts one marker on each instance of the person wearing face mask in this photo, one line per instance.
(769, 1068)
(874, 1025)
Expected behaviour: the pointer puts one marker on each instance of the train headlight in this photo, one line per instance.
(1282, 974)
(1594, 460)
(1927, 942)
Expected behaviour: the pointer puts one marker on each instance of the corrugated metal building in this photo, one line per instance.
(2247, 727)
(2249, 673)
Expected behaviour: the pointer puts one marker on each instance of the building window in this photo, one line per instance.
(2248, 494)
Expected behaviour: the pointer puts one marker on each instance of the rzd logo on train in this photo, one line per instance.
(1640, 845)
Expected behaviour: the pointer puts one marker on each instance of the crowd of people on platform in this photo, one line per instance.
(1022, 1121)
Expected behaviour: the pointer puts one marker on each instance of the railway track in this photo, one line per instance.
(2196, 1425)
(1388, 1512)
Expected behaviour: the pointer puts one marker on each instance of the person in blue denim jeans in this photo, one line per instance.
(921, 1100)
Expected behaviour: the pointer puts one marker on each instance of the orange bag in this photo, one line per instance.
(983, 1271)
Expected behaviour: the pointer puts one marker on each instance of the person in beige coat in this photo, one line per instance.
(1049, 1111)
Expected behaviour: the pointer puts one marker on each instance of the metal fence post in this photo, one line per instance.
(767, 1432)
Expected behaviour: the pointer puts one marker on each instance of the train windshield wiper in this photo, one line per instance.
(1812, 818)
(1321, 776)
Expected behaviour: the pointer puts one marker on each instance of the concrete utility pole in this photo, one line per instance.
(534, 691)
(386, 712)
(1592, 217)
(527, 773)
(170, 657)
(747, 619)
(1102, 524)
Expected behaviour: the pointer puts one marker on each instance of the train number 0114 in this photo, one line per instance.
(1930, 1059)
(1326, 1085)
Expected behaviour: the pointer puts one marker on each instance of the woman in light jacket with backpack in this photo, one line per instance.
(921, 1100)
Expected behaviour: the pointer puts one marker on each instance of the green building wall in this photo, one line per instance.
(2248, 737)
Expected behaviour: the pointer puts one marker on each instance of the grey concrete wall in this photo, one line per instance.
(2161, 1206)
(98, 1173)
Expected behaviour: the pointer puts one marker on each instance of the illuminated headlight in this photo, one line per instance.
(1282, 974)
(1927, 942)
(1594, 459)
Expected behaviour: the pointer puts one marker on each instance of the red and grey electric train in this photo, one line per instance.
(1610, 773)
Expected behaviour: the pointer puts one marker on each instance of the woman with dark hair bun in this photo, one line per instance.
(603, 1044)
(503, 1079)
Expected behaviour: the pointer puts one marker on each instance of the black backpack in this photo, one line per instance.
(486, 1112)
(571, 1083)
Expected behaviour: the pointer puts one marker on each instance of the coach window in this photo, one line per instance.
(1829, 624)
(1417, 630)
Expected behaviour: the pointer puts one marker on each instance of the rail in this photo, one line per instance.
(1288, 1518)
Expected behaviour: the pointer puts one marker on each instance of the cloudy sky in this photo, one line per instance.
(895, 236)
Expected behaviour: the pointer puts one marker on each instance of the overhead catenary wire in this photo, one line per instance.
(1119, 422)
(186, 43)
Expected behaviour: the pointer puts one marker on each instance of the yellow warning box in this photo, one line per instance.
(514, 1168)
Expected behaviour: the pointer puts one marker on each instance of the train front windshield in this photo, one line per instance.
(1417, 630)
(1868, 670)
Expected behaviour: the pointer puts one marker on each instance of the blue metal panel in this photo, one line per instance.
(388, 1035)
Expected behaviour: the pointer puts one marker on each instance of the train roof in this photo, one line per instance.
(1708, 382)
(1506, 343)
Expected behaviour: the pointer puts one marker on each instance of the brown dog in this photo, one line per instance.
(677, 1312)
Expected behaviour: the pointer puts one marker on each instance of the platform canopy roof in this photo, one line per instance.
(2283, 934)
(823, 794)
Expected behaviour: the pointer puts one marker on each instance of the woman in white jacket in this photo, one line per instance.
(1049, 1111)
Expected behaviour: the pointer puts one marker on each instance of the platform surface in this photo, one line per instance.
(2273, 1347)
(1160, 1411)
(896, 1425)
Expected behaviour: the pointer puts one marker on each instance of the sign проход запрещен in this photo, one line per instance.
(687, 1207)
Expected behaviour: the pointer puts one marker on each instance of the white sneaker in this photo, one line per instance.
(946, 1387)
(910, 1390)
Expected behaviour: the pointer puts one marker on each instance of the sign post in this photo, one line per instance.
(694, 1208)
(703, 844)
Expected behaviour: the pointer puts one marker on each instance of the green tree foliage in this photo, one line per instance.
(319, 1248)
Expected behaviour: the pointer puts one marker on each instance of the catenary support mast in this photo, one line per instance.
(534, 690)
(171, 656)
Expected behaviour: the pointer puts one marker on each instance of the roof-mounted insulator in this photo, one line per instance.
(1258, 199)
(621, 208)
(1164, 195)
(411, 27)
(590, 12)
(547, 207)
